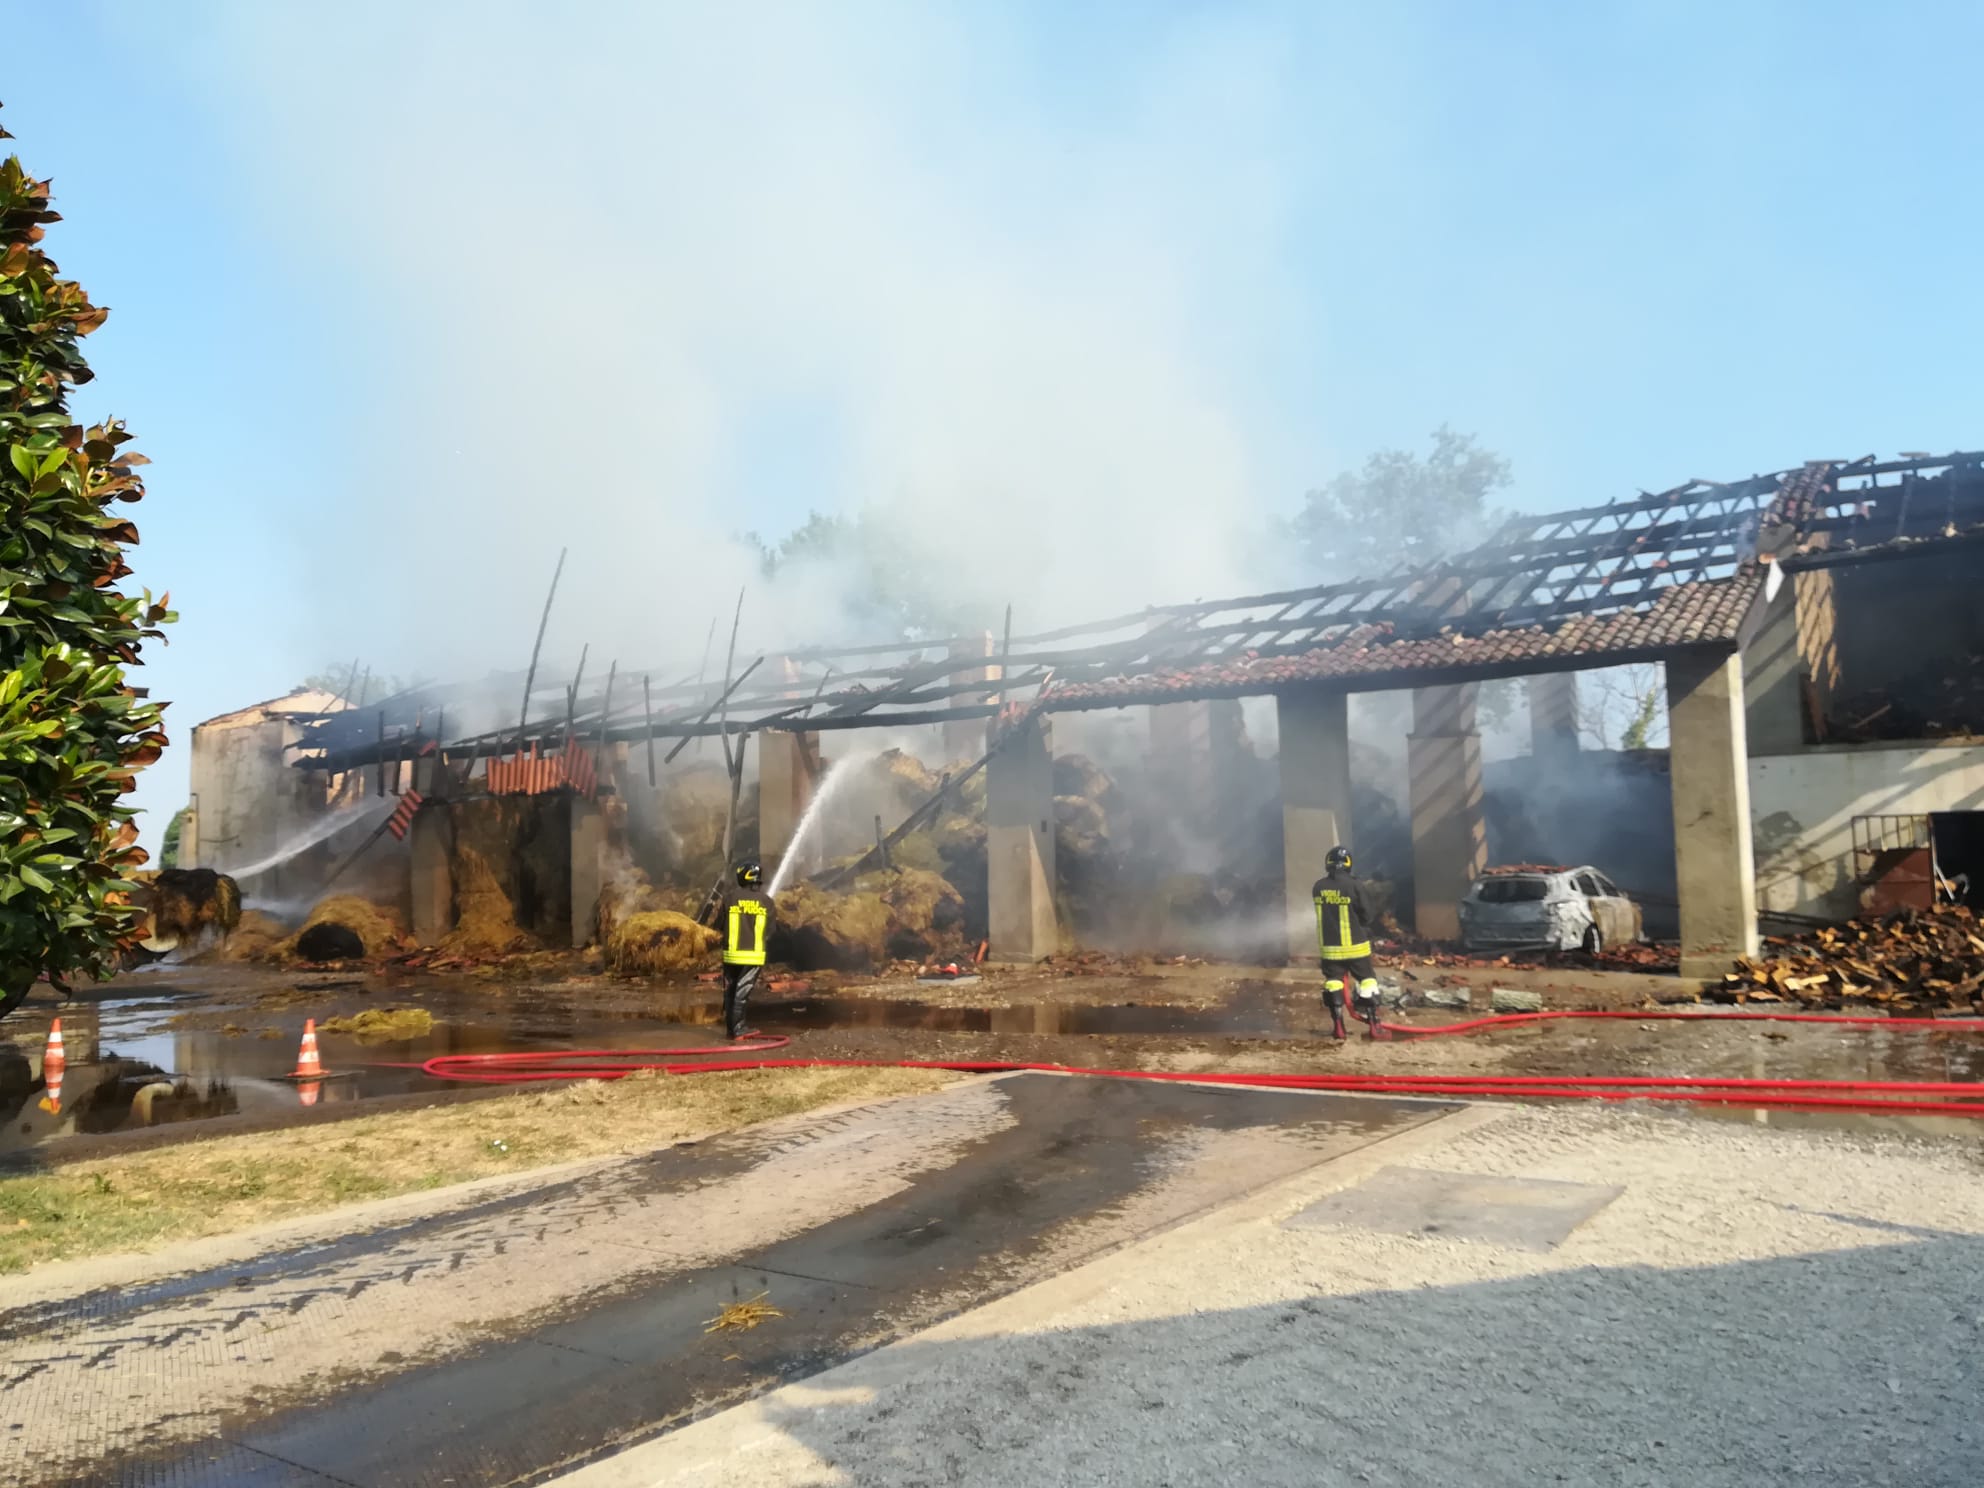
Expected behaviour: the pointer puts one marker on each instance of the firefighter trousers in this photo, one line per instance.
(1358, 971)
(738, 984)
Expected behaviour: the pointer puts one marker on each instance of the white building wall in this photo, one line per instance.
(237, 776)
(1802, 808)
(249, 799)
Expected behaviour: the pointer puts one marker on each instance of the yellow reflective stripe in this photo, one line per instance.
(1331, 899)
(736, 952)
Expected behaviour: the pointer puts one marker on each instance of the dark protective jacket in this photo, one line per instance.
(1344, 917)
(746, 919)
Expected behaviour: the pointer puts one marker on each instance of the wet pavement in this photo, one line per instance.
(207, 1049)
(512, 1337)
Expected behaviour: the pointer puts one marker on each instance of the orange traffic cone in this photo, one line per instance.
(307, 1091)
(308, 1065)
(52, 1061)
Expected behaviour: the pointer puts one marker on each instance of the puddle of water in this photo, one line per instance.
(1251, 1013)
(120, 1049)
(126, 1069)
(1756, 1051)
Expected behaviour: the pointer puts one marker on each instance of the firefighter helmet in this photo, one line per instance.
(749, 875)
(1338, 860)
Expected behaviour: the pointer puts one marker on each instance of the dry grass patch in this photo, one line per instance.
(215, 1187)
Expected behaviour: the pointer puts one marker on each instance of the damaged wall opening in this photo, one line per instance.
(1958, 839)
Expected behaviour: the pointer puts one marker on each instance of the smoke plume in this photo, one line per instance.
(640, 280)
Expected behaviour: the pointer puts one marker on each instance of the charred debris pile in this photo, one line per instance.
(1943, 700)
(1916, 959)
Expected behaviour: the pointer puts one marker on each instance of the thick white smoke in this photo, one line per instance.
(644, 278)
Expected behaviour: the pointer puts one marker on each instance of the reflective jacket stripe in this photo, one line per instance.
(744, 938)
(1343, 948)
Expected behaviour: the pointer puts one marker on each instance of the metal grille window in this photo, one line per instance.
(1884, 834)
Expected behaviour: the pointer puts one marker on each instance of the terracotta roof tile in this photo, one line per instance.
(1708, 612)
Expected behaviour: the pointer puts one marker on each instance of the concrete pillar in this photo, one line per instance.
(1233, 813)
(1019, 846)
(1774, 680)
(1449, 831)
(964, 738)
(1713, 861)
(430, 843)
(588, 867)
(1315, 801)
(788, 769)
(1553, 715)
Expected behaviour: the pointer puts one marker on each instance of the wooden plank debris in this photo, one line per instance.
(1929, 959)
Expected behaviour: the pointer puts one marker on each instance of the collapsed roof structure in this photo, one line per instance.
(1788, 634)
(1631, 581)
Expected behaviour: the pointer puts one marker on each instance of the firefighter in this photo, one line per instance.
(1344, 918)
(746, 920)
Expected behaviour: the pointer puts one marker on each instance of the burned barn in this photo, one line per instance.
(1189, 765)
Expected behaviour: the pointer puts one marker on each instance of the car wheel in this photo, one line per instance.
(1593, 943)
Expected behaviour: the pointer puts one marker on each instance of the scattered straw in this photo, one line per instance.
(658, 940)
(255, 938)
(378, 928)
(485, 920)
(743, 1315)
(382, 1025)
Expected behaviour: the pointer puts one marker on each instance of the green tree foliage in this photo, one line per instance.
(1399, 510)
(1638, 734)
(886, 586)
(72, 730)
(175, 831)
(1402, 510)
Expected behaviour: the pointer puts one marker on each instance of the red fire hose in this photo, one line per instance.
(1887, 1097)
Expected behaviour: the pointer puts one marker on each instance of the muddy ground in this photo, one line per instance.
(225, 1036)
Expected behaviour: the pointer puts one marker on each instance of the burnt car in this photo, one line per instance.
(1531, 908)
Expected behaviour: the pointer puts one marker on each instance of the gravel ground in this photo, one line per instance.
(1757, 1306)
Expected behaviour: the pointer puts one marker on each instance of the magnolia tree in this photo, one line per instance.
(72, 730)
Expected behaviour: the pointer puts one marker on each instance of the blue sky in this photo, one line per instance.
(405, 297)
